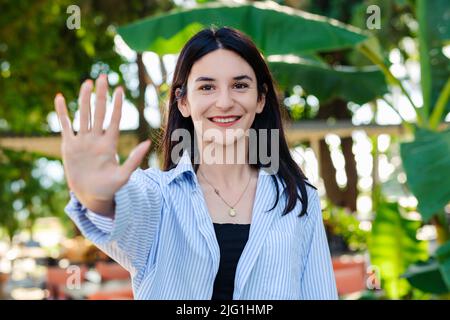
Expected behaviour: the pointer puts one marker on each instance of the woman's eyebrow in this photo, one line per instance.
(235, 78)
(244, 76)
(204, 79)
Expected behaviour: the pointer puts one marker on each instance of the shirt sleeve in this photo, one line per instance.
(128, 237)
(318, 281)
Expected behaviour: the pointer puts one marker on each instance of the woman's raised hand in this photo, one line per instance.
(89, 157)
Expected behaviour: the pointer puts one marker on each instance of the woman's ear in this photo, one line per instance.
(182, 103)
(262, 100)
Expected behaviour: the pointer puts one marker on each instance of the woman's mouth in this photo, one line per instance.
(225, 121)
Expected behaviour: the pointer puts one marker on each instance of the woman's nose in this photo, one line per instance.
(224, 99)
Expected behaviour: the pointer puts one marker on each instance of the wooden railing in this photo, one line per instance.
(306, 131)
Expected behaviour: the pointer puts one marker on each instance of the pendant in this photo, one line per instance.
(232, 212)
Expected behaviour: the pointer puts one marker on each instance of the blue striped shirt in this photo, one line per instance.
(163, 235)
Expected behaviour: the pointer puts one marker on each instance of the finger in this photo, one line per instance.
(85, 106)
(63, 117)
(114, 126)
(135, 158)
(101, 89)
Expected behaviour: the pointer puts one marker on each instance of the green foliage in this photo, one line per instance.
(434, 33)
(426, 161)
(347, 225)
(396, 22)
(167, 33)
(393, 246)
(327, 83)
(433, 275)
(40, 56)
(443, 256)
(28, 190)
(45, 57)
(426, 276)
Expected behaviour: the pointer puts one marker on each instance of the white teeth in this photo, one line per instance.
(225, 120)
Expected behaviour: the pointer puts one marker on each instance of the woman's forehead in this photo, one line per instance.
(220, 64)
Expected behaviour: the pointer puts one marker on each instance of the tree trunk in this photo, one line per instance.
(143, 131)
(345, 197)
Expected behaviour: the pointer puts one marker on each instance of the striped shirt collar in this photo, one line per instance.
(184, 165)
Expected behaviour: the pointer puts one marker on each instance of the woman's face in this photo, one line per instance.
(221, 97)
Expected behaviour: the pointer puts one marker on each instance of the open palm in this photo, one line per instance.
(90, 161)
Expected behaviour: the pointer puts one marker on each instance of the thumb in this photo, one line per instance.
(135, 158)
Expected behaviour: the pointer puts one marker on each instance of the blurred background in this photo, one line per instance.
(364, 87)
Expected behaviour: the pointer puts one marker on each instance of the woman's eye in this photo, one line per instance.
(241, 85)
(206, 87)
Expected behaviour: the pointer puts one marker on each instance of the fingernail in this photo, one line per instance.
(119, 90)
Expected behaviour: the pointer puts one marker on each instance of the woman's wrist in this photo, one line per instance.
(105, 208)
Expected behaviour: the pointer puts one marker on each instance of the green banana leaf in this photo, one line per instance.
(434, 34)
(432, 276)
(393, 246)
(426, 276)
(426, 161)
(443, 256)
(274, 28)
(359, 85)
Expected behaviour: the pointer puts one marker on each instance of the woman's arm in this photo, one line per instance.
(129, 237)
(115, 206)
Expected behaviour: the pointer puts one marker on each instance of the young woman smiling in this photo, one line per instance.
(202, 229)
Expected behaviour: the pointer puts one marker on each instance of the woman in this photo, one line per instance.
(203, 228)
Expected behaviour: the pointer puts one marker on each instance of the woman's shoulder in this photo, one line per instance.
(147, 176)
(311, 191)
(313, 206)
(154, 175)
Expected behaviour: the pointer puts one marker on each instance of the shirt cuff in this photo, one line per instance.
(100, 229)
(105, 224)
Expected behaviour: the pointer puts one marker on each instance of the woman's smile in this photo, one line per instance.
(225, 121)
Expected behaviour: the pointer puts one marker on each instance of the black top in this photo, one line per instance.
(232, 239)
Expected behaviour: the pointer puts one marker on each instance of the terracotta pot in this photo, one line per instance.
(350, 274)
(57, 280)
(111, 271)
(4, 277)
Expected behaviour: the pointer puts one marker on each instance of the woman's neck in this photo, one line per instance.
(226, 176)
(225, 166)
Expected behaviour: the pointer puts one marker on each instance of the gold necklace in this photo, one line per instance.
(231, 210)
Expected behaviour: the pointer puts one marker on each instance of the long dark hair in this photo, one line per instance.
(204, 42)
